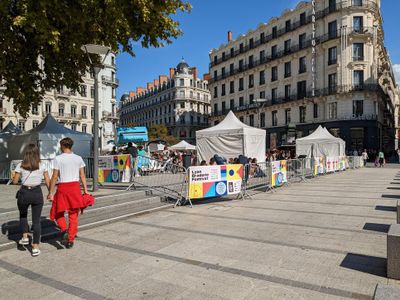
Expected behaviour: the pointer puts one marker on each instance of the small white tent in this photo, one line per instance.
(229, 139)
(320, 143)
(5, 136)
(183, 146)
(47, 136)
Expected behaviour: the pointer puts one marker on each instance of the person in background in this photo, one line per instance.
(68, 168)
(365, 157)
(114, 151)
(133, 151)
(212, 162)
(203, 163)
(141, 151)
(355, 153)
(31, 171)
(381, 157)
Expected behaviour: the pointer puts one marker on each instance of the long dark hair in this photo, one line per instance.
(31, 159)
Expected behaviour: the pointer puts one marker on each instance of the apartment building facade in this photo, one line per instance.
(73, 109)
(180, 101)
(322, 63)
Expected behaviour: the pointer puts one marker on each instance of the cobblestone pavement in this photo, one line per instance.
(324, 239)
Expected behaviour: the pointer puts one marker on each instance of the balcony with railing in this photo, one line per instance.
(67, 116)
(364, 5)
(109, 80)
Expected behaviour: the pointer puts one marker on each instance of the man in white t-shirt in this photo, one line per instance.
(68, 168)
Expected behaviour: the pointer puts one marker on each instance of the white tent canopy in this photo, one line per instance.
(183, 146)
(47, 136)
(229, 139)
(320, 143)
(5, 136)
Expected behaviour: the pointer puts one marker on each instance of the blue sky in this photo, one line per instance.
(206, 27)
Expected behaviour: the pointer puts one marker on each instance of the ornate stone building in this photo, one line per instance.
(323, 62)
(180, 101)
(73, 109)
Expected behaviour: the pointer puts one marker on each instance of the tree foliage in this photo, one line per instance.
(161, 132)
(55, 30)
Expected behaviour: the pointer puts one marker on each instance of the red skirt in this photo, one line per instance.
(67, 197)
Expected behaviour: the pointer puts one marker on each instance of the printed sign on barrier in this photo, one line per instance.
(318, 166)
(278, 173)
(215, 181)
(115, 168)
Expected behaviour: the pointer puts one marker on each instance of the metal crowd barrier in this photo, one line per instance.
(162, 176)
(295, 170)
(257, 175)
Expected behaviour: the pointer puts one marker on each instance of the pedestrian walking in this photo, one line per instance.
(68, 169)
(31, 171)
(365, 157)
(381, 157)
(133, 151)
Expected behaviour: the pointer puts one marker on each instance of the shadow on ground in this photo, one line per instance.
(365, 263)
(386, 208)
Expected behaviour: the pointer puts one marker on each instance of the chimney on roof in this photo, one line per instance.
(171, 72)
(132, 94)
(194, 73)
(156, 82)
(162, 79)
(229, 36)
(150, 85)
(140, 90)
(206, 76)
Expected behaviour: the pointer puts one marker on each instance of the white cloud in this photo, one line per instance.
(396, 71)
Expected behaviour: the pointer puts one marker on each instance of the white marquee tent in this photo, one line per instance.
(5, 136)
(320, 143)
(229, 139)
(183, 146)
(47, 136)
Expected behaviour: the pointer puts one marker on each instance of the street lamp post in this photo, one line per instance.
(259, 102)
(96, 68)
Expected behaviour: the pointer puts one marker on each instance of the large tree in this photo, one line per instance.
(161, 132)
(55, 30)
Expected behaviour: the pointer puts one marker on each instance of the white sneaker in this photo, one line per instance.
(24, 241)
(35, 252)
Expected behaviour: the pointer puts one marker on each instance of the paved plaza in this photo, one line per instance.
(323, 239)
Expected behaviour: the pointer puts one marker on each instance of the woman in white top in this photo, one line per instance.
(31, 172)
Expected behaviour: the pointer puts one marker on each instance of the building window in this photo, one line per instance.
(358, 24)
(223, 90)
(332, 110)
(274, 32)
(251, 120)
(232, 104)
(357, 138)
(231, 87)
(303, 18)
(48, 108)
(241, 48)
(274, 51)
(358, 51)
(35, 110)
(302, 65)
(181, 82)
(241, 119)
(315, 106)
(251, 80)
(182, 93)
(288, 25)
(215, 60)
(92, 92)
(241, 101)
(262, 77)
(241, 65)
(223, 55)
(231, 69)
(113, 92)
(357, 2)
(274, 117)
(215, 91)
(215, 74)
(84, 128)
(35, 123)
(302, 114)
(215, 107)
(73, 126)
(274, 94)
(223, 72)
(241, 84)
(251, 98)
(262, 120)
(262, 95)
(332, 56)
(182, 106)
(223, 107)
(358, 108)
(332, 29)
(332, 5)
(274, 73)
(73, 111)
(262, 37)
(287, 46)
(83, 91)
(358, 79)
(251, 61)
(262, 56)
(21, 125)
(288, 116)
(61, 108)
(288, 88)
(301, 89)
(92, 113)
(288, 69)
(302, 40)
(332, 83)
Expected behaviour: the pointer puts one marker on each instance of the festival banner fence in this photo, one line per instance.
(278, 173)
(319, 165)
(115, 168)
(215, 181)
